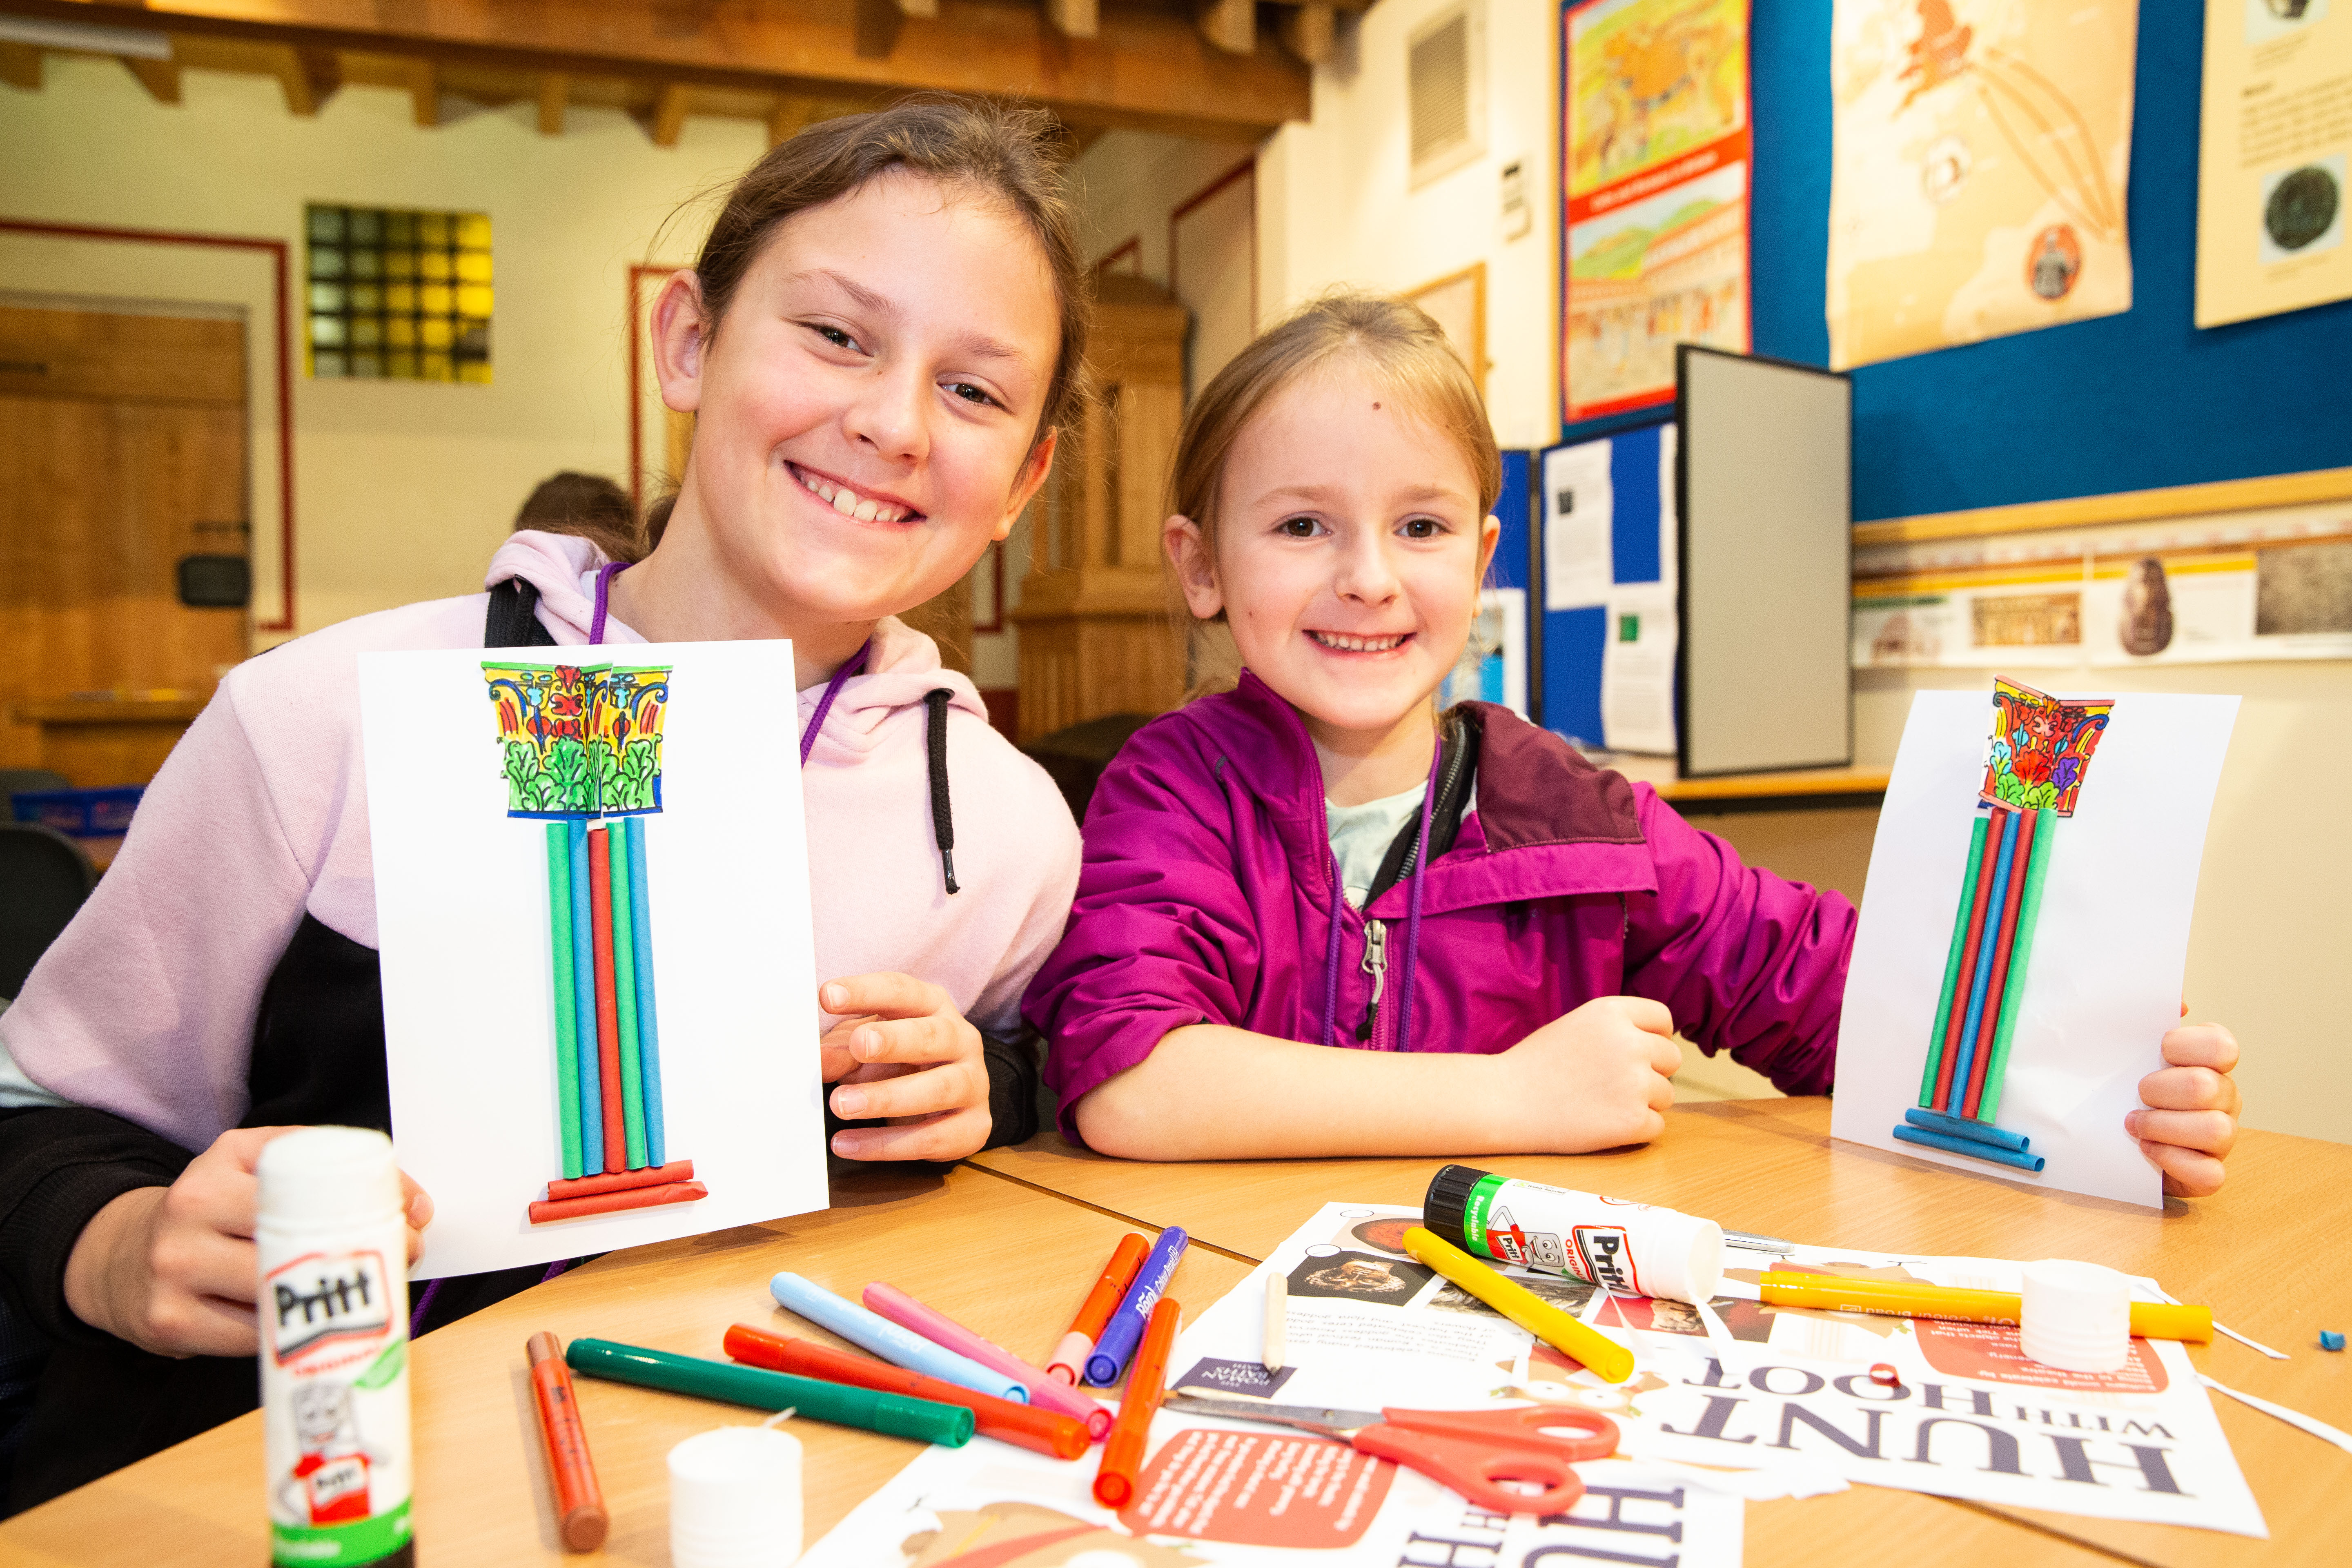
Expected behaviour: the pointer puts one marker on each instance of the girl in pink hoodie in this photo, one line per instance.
(880, 341)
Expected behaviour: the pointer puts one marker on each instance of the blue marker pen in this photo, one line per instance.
(898, 1346)
(1125, 1329)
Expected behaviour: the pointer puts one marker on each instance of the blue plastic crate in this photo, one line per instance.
(83, 812)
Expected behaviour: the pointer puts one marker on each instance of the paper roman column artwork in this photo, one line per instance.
(593, 918)
(2025, 930)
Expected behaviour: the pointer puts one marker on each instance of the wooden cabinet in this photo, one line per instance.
(1101, 631)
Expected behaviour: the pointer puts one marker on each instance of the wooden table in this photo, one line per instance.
(2268, 1255)
(1010, 1263)
(1795, 789)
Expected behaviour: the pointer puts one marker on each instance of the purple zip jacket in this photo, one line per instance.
(1209, 888)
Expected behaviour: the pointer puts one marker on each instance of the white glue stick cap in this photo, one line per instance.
(1684, 1261)
(735, 1498)
(2075, 1316)
(328, 1175)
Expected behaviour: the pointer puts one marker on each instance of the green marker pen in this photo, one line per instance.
(924, 1420)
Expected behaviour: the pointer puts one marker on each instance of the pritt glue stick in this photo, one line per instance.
(1626, 1248)
(333, 1308)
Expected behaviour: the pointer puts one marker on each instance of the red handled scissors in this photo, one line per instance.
(1473, 1451)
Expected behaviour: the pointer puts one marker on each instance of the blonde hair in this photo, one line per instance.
(1396, 340)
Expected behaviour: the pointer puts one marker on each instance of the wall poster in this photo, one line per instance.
(1655, 200)
(2276, 133)
(1978, 171)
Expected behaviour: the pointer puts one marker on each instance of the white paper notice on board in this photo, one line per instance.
(1670, 533)
(476, 758)
(1637, 668)
(2109, 946)
(1579, 504)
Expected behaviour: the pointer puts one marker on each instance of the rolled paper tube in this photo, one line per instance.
(583, 967)
(941, 1330)
(2029, 918)
(1997, 993)
(1952, 962)
(624, 996)
(1131, 1434)
(651, 1176)
(903, 1347)
(1934, 1122)
(641, 928)
(608, 1022)
(1979, 894)
(1968, 1146)
(1916, 1299)
(567, 1016)
(1069, 1361)
(950, 1426)
(1125, 1329)
(1977, 983)
(547, 1211)
(1045, 1431)
(1607, 1358)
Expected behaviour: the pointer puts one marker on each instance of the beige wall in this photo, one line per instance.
(402, 490)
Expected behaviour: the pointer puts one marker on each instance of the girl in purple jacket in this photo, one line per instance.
(1500, 940)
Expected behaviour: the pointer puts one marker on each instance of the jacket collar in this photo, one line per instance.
(1548, 825)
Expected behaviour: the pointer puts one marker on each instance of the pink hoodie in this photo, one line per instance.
(145, 1006)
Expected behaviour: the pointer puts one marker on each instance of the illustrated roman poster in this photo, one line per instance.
(2271, 167)
(1980, 150)
(1655, 205)
(2023, 944)
(591, 901)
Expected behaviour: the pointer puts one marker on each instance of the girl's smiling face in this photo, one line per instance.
(1349, 550)
(868, 407)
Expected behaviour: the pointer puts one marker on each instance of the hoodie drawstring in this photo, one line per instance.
(604, 575)
(942, 816)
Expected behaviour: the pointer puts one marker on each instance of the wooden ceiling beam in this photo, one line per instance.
(669, 115)
(1307, 32)
(1147, 67)
(309, 74)
(554, 95)
(423, 86)
(20, 66)
(1074, 19)
(160, 77)
(1230, 25)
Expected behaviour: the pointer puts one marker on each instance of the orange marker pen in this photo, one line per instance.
(1137, 1403)
(1069, 1357)
(1046, 1431)
(579, 1501)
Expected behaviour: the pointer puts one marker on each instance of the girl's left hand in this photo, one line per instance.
(2190, 1117)
(906, 1055)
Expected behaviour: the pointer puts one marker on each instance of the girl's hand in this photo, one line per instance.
(905, 1055)
(2191, 1118)
(172, 1270)
(1596, 1078)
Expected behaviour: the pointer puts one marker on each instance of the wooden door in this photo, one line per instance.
(122, 450)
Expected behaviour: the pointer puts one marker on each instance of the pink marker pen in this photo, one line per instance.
(1045, 1392)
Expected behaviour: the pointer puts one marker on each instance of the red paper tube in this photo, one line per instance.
(614, 1203)
(1989, 1023)
(1980, 896)
(651, 1176)
(1045, 1431)
(608, 1014)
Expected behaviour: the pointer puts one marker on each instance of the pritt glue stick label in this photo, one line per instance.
(334, 1378)
(1625, 1248)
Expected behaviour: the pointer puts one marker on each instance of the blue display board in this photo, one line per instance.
(1571, 642)
(2126, 403)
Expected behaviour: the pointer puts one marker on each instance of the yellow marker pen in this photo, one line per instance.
(1522, 1306)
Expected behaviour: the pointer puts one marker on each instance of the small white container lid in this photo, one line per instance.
(735, 1498)
(2075, 1316)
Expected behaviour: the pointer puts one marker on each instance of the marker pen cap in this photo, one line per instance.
(2075, 1316)
(735, 1498)
(1069, 1359)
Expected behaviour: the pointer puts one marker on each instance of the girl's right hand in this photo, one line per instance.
(172, 1270)
(1595, 1079)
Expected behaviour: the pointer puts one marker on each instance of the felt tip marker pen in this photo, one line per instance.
(1125, 1329)
(900, 1347)
(1068, 1362)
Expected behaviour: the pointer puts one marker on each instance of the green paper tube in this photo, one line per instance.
(624, 998)
(567, 1013)
(898, 1414)
(1952, 962)
(2037, 870)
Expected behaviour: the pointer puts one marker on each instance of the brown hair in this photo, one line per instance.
(588, 505)
(1013, 153)
(1396, 340)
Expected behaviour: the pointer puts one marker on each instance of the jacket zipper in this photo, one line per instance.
(1376, 964)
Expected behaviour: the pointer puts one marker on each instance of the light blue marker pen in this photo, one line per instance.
(900, 1347)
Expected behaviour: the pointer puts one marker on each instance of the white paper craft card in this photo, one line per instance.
(2103, 981)
(645, 799)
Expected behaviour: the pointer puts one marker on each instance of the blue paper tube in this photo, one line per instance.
(648, 1032)
(1961, 1127)
(1971, 1147)
(1968, 1041)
